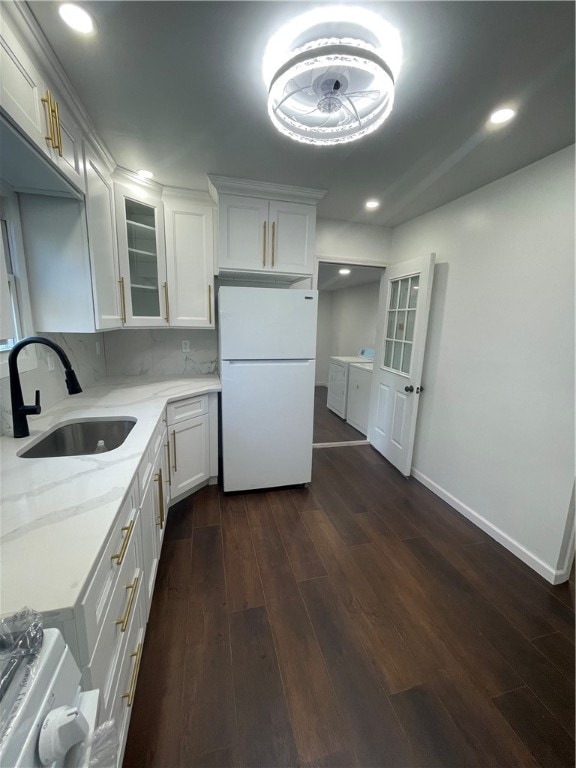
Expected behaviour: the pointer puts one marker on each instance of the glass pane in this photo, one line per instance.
(414, 291)
(394, 296)
(404, 284)
(388, 354)
(397, 355)
(406, 357)
(410, 319)
(400, 325)
(144, 285)
(141, 238)
(391, 325)
(140, 213)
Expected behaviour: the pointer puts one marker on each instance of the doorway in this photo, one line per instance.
(347, 319)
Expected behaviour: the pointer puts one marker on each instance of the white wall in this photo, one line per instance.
(88, 365)
(354, 316)
(348, 242)
(495, 435)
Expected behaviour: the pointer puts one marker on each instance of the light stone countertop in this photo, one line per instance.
(56, 513)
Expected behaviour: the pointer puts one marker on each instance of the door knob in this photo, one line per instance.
(409, 389)
(419, 389)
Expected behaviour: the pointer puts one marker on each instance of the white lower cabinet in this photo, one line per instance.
(192, 438)
(106, 629)
(358, 400)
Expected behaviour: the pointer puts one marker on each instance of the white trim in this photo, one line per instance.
(546, 571)
(223, 185)
(341, 444)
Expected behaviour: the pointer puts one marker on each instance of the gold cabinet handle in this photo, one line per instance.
(264, 247)
(124, 620)
(128, 530)
(273, 240)
(174, 467)
(50, 114)
(130, 695)
(210, 304)
(167, 318)
(122, 299)
(57, 128)
(158, 479)
(167, 446)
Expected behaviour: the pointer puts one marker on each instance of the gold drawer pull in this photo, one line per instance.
(210, 304)
(130, 695)
(58, 131)
(264, 247)
(273, 240)
(174, 466)
(166, 301)
(167, 446)
(50, 114)
(158, 479)
(124, 620)
(128, 530)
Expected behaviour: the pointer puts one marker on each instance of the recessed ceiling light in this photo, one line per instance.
(143, 174)
(77, 18)
(343, 271)
(502, 115)
(371, 205)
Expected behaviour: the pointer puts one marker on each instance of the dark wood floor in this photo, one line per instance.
(328, 426)
(357, 622)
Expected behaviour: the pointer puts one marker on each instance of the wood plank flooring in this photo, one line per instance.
(357, 622)
(328, 426)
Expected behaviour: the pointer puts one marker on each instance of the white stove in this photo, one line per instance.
(45, 718)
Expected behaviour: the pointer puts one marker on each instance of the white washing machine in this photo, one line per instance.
(45, 718)
(338, 379)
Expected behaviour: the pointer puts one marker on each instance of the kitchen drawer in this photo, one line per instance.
(95, 602)
(123, 697)
(117, 624)
(186, 409)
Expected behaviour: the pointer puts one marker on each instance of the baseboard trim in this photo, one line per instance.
(546, 571)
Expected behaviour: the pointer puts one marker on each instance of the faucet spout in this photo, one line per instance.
(19, 410)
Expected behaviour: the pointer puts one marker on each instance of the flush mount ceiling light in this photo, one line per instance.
(77, 18)
(330, 75)
(372, 205)
(343, 271)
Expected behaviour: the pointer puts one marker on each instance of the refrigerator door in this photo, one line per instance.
(267, 323)
(267, 422)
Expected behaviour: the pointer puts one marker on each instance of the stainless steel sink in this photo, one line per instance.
(81, 438)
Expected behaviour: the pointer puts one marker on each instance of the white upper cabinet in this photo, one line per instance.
(166, 248)
(28, 97)
(140, 227)
(189, 223)
(265, 228)
(102, 242)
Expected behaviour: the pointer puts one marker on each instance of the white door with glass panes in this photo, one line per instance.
(405, 291)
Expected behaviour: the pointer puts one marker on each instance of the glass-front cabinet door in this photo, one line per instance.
(143, 287)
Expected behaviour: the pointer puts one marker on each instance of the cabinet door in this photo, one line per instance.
(150, 521)
(358, 399)
(102, 243)
(243, 235)
(22, 88)
(68, 157)
(189, 263)
(140, 226)
(190, 451)
(292, 234)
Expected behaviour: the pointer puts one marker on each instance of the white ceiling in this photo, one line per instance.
(330, 279)
(176, 87)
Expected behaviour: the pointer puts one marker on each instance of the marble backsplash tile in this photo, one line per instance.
(88, 365)
(159, 352)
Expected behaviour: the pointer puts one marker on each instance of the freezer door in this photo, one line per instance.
(267, 323)
(267, 422)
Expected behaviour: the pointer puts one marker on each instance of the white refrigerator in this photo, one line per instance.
(267, 341)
